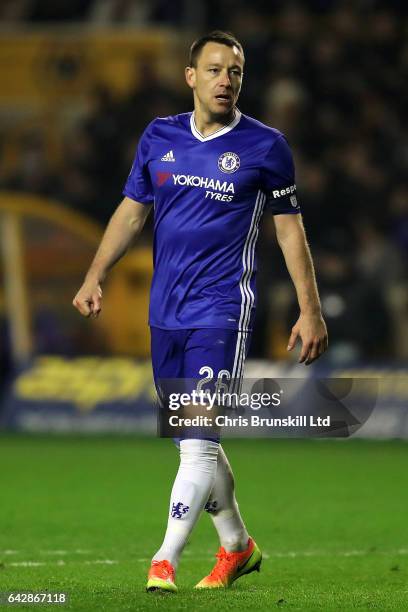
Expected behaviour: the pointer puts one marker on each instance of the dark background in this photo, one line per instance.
(331, 75)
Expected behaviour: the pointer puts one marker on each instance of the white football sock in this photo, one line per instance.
(194, 481)
(223, 508)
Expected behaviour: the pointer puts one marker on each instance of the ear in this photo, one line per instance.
(190, 76)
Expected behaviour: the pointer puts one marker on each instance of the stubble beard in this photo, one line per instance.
(223, 117)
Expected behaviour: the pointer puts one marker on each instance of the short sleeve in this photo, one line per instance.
(278, 179)
(138, 185)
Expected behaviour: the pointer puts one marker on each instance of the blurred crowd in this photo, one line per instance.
(333, 77)
(179, 13)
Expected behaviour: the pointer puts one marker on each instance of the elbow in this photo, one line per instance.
(291, 240)
(135, 224)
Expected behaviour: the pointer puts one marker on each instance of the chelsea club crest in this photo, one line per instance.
(229, 162)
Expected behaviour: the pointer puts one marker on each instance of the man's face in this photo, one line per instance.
(217, 78)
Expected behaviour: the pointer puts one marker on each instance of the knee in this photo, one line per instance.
(200, 454)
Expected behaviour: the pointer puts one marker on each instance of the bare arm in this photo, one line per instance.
(123, 228)
(310, 326)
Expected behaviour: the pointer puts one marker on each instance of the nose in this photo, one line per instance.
(225, 78)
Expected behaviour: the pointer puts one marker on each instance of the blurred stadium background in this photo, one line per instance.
(80, 79)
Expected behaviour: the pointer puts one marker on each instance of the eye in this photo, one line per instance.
(213, 70)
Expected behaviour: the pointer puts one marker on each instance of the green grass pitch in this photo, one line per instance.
(84, 515)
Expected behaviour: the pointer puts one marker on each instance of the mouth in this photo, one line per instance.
(224, 99)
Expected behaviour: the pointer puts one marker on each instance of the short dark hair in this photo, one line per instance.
(217, 36)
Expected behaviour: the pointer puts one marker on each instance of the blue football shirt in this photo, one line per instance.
(209, 194)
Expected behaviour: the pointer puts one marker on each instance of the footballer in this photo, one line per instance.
(208, 175)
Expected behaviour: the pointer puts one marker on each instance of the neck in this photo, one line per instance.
(207, 123)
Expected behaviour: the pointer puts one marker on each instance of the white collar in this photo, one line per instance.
(220, 132)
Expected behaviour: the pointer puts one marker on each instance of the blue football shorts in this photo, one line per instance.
(195, 357)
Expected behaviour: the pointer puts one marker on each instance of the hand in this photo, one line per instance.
(313, 333)
(88, 300)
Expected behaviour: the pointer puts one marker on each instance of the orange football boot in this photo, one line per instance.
(161, 577)
(232, 565)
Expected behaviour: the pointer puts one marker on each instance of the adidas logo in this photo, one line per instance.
(168, 157)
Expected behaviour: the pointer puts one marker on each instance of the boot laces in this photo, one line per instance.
(163, 569)
(225, 563)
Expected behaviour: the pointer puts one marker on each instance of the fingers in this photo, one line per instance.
(306, 349)
(313, 350)
(82, 306)
(313, 333)
(89, 306)
(95, 306)
(292, 339)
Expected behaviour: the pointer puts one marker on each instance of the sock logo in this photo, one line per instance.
(210, 506)
(179, 510)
